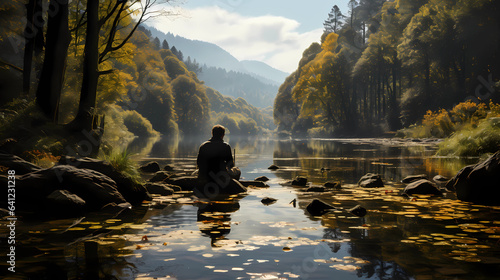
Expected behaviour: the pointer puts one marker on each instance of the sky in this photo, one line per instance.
(273, 31)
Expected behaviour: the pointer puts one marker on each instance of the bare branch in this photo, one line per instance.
(109, 15)
(106, 72)
(11, 65)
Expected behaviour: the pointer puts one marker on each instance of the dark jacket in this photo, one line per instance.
(214, 156)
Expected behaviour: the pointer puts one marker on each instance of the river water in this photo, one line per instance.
(238, 237)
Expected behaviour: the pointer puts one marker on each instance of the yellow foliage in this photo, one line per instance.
(469, 111)
(439, 123)
(331, 42)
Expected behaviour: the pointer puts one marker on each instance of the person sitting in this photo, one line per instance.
(216, 165)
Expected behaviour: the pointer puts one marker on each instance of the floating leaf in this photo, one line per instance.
(346, 267)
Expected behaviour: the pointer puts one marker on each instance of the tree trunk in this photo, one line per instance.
(88, 95)
(52, 77)
(29, 43)
(39, 23)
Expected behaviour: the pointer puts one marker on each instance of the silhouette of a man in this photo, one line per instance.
(216, 166)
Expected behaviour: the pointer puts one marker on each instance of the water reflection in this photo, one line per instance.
(431, 238)
(336, 160)
(214, 219)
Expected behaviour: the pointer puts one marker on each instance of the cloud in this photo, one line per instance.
(271, 39)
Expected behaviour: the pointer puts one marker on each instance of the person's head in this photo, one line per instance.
(218, 131)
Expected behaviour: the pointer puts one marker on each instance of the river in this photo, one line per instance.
(183, 237)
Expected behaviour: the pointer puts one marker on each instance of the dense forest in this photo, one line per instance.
(384, 64)
(237, 84)
(74, 69)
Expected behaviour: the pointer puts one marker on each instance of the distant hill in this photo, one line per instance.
(254, 81)
(214, 56)
(237, 84)
(265, 70)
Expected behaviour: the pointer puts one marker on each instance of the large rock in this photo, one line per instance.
(150, 167)
(65, 202)
(371, 180)
(358, 210)
(95, 188)
(262, 179)
(168, 168)
(158, 188)
(460, 178)
(333, 185)
(422, 186)
(479, 183)
(413, 178)
(300, 181)
(133, 192)
(440, 179)
(202, 188)
(273, 167)
(160, 176)
(318, 207)
(212, 190)
(18, 164)
(316, 189)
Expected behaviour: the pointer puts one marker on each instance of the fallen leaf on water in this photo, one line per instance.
(346, 267)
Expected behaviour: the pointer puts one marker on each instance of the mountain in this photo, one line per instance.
(265, 70)
(237, 84)
(214, 56)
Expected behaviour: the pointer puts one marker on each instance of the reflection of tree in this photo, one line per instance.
(349, 160)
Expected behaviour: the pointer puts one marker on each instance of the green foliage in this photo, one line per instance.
(138, 125)
(485, 138)
(116, 133)
(123, 162)
(391, 63)
(443, 123)
(230, 113)
(192, 105)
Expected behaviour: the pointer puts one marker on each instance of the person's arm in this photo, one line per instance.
(229, 157)
(198, 159)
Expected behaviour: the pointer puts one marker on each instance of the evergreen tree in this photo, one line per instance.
(165, 45)
(334, 20)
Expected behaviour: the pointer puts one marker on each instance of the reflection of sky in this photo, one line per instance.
(259, 233)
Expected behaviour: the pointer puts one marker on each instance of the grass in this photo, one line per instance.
(471, 142)
(124, 163)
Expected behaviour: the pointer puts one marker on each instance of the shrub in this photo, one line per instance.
(485, 138)
(124, 163)
(138, 125)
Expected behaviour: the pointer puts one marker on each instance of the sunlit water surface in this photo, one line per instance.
(238, 237)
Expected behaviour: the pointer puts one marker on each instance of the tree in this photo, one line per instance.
(334, 20)
(164, 45)
(192, 106)
(34, 40)
(113, 23)
(352, 5)
(51, 79)
(156, 43)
